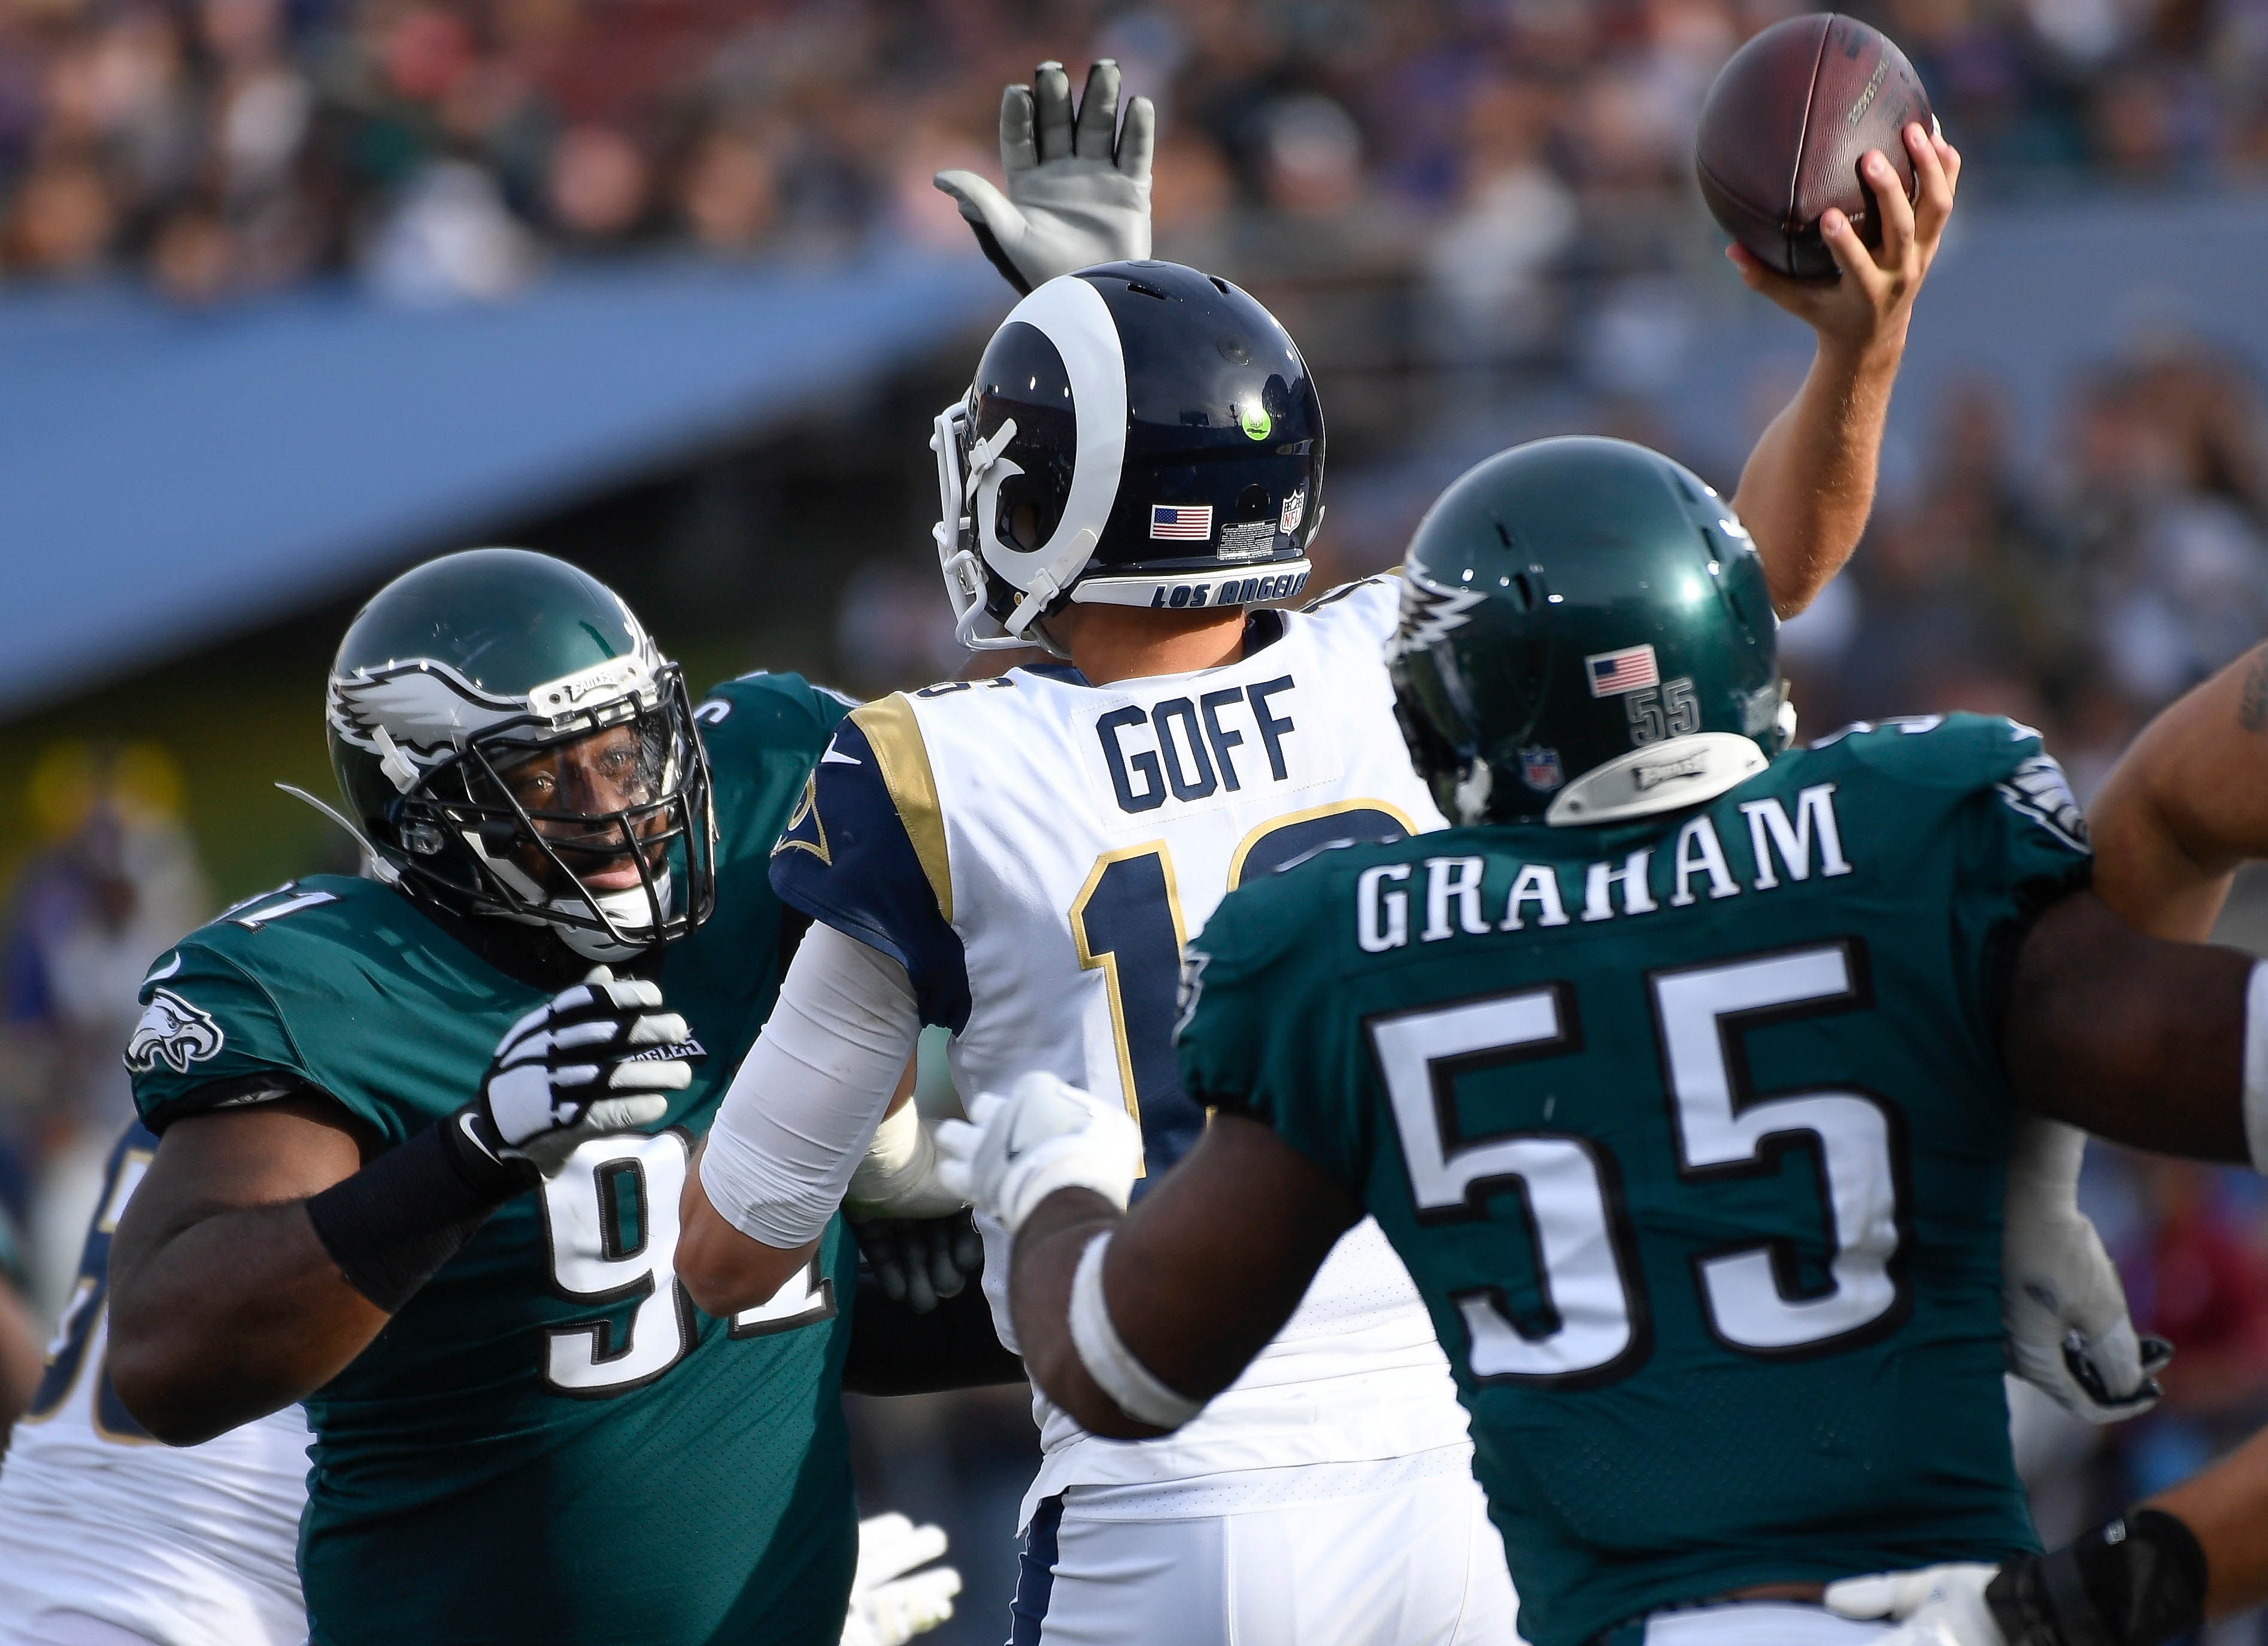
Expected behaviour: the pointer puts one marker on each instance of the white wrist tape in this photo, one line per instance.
(1107, 1360)
(2255, 1066)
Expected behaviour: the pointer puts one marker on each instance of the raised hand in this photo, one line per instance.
(1868, 307)
(1078, 184)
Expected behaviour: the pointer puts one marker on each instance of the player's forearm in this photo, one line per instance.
(1047, 1249)
(799, 1115)
(2226, 1508)
(2129, 1036)
(1809, 486)
(232, 1315)
(2187, 803)
(724, 1270)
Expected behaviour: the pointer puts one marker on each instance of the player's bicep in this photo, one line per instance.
(1206, 1270)
(287, 1147)
(2130, 1036)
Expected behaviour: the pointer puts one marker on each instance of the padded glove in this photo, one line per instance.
(2062, 1306)
(1936, 1605)
(595, 1058)
(919, 1261)
(1013, 1152)
(890, 1602)
(1078, 188)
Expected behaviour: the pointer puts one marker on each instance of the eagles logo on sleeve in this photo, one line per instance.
(2039, 790)
(174, 1032)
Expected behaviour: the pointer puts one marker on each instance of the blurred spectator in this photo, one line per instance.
(116, 884)
(228, 146)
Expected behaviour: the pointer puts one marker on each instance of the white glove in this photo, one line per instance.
(1077, 194)
(2061, 1303)
(897, 1175)
(888, 1607)
(595, 1058)
(1937, 1605)
(1013, 1152)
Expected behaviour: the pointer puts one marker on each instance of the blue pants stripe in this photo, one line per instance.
(1035, 1575)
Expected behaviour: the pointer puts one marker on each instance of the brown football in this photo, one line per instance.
(1785, 126)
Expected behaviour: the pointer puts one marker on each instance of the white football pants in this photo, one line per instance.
(1418, 1564)
(1759, 1623)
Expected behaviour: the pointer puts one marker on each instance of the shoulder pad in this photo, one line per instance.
(1957, 752)
(785, 703)
(864, 851)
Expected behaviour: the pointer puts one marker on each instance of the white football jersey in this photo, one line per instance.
(193, 1545)
(1036, 850)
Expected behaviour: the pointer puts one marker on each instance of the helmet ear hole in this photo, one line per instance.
(1252, 502)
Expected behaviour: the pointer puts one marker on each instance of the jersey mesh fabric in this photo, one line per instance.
(1036, 849)
(550, 1405)
(1687, 1456)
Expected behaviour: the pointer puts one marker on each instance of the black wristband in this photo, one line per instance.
(2136, 1581)
(392, 1224)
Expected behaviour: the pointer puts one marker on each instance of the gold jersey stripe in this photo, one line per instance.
(895, 738)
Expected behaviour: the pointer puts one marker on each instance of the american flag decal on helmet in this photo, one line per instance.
(1613, 673)
(1192, 521)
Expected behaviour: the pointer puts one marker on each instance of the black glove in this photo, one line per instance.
(917, 1260)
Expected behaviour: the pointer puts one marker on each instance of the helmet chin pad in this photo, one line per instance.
(629, 911)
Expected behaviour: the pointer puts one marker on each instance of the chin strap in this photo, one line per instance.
(1658, 778)
(380, 870)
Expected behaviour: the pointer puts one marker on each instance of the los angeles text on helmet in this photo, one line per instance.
(1455, 900)
(1230, 591)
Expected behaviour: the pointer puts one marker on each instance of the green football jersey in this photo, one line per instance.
(1692, 1132)
(549, 1442)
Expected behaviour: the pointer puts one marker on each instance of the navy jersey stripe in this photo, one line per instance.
(847, 860)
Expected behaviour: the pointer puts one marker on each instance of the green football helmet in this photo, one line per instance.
(510, 742)
(1586, 636)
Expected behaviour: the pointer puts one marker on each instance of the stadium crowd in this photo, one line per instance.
(450, 147)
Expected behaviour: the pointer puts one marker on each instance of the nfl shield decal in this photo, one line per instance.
(1539, 768)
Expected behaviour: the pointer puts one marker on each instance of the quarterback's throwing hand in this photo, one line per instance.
(1935, 1605)
(1867, 308)
(596, 1059)
(890, 1602)
(1078, 186)
(1013, 1152)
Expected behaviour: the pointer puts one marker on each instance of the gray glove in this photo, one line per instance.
(1079, 191)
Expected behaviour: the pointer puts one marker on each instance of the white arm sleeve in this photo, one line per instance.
(804, 1104)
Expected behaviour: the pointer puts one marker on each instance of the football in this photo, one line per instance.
(1785, 126)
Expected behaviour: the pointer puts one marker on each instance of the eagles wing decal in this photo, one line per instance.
(1429, 611)
(425, 706)
(173, 1032)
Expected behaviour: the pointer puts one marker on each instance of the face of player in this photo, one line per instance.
(568, 790)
